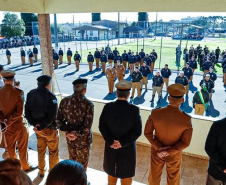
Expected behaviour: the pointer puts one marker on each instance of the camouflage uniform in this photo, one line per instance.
(75, 115)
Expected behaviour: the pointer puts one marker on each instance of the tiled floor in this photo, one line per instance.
(193, 170)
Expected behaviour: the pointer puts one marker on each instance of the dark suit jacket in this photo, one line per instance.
(120, 121)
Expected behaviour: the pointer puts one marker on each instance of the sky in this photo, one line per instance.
(132, 16)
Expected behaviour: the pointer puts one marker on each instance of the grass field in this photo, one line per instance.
(168, 50)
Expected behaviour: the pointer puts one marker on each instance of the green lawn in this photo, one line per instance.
(168, 50)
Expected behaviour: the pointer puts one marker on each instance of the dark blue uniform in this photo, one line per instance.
(166, 73)
(181, 80)
(187, 72)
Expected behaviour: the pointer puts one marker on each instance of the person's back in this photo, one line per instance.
(215, 147)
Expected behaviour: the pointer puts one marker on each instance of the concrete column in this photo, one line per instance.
(46, 45)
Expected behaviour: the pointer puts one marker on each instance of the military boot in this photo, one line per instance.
(153, 97)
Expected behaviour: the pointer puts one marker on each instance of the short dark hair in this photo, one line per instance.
(59, 174)
(122, 94)
(1, 68)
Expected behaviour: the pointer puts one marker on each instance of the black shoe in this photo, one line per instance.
(41, 175)
(31, 65)
(32, 167)
(60, 63)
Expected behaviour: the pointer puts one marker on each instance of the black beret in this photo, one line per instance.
(166, 64)
(188, 63)
(80, 81)
(136, 67)
(44, 79)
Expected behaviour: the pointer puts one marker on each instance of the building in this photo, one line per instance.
(133, 32)
(113, 25)
(87, 32)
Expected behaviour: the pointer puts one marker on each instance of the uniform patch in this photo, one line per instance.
(55, 101)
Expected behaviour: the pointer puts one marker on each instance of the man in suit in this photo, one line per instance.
(166, 147)
(120, 125)
(216, 150)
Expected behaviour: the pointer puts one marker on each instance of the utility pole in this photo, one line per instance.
(55, 32)
(118, 28)
(156, 24)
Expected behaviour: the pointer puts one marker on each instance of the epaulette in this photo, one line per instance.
(18, 89)
(51, 93)
(186, 114)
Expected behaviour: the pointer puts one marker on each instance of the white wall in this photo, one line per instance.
(201, 126)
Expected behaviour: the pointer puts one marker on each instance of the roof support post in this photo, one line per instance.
(46, 45)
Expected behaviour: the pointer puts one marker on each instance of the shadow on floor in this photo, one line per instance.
(185, 106)
(110, 96)
(212, 111)
(70, 74)
(192, 88)
(100, 75)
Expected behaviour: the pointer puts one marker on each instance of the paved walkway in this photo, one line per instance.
(98, 88)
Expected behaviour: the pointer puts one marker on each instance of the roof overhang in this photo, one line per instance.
(88, 6)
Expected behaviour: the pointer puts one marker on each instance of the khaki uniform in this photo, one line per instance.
(124, 64)
(166, 81)
(47, 138)
(9, 59)
(61, 59)
(120, 72)
(199, 109)
(178, 136)
(110, 61)
(12, 110)
(36, 57)
(111, 75)
(23, 60)
(31, 60)
(77, 64)
(97, 62)
(69, 59)
(224, 78)
(78, 112)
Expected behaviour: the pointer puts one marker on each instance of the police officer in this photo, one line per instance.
(30, 55)
(90, 60)
(142, 55)
(157, 86)
(224, 72)
(117, 58)
(69, 55)
(120, 125)
(120, 70)
(75, 117)
(193, 64)
(138, 59)
(111, 75)
(153, 58)
(8, 55)
(147, 60)
(209, 84)
(145, 71)
(129, 52)
(35, 51)
(40, 111)
(103, 59)
(77, 59)
(22, 54)
(11, 111)
(97, 58)
(136, 78)
(115, 51)
(110, 57)
(206, 66)
(200, 100)
(188, 72)
(213, 76)
(61, 54)
(183, 80)
(217, 52)
(55, 59)
(125, 58)
(178, 54)
(166, 147)
(166, 73)
(132, 61)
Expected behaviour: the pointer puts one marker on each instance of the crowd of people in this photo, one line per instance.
(120, 124)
